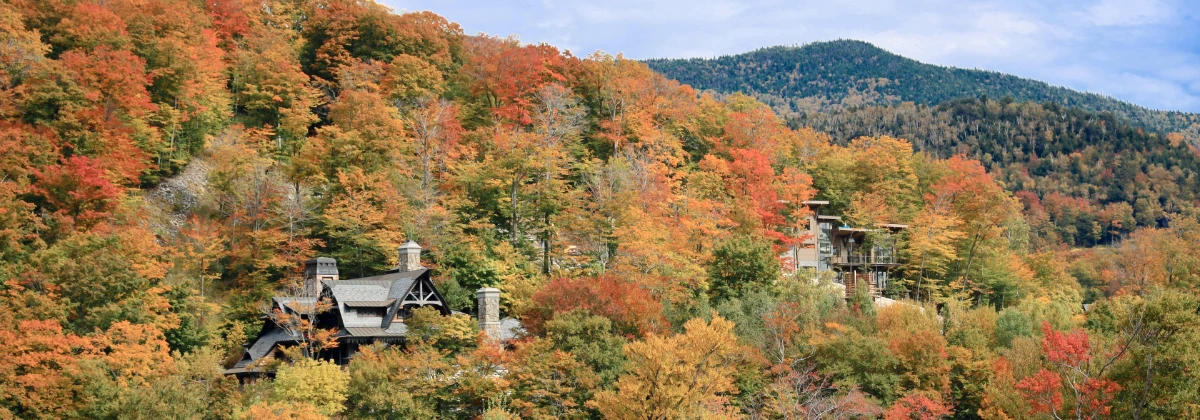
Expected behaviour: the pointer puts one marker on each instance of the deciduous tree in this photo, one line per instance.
(681, 376)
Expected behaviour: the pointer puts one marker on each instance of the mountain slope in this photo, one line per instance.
(838, 74)
(1084, 177)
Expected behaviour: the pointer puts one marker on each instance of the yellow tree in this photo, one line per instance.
(269, 87)
(886, 179)
(931, 243)
(395, 383)
(548, 383)
(39, 358)
(961, 188)
(637, 109)
(134, 353)
(200, 248)
(318, 383)
(364, 222)
(246, 191)
(689, 375)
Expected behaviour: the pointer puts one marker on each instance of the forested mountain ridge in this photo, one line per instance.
(167, 167)
(1100, 176)
(1117, 163)
(834, 75)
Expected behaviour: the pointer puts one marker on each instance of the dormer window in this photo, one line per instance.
(370, 312)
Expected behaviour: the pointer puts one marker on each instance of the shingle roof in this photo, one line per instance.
(388, 287)
(264, 344)
(298, 304)
(396, 330)
(368, 303)
(358, 293)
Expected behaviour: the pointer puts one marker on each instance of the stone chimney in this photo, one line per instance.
(410, 256)
(489, 311)
(317, 270)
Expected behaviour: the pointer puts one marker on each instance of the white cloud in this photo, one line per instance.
(561, 22)
(1126, 12)
(1142, 89)
(662, 11)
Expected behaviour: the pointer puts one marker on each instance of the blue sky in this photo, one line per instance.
(1143, 51)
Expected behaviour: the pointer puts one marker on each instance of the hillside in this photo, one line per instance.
(834, 75)
(1090, 169)
(1111, 160)
(173, 171)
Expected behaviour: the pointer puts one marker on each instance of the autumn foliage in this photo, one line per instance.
(167, 166)
(633, 309)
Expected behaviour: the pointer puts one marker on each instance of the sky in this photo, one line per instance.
(1142, 51)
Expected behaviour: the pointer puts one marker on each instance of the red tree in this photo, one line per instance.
(631, 308)
(1071, 368)
(917, 407)
(77, 191)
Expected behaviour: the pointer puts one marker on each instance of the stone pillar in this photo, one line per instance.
(410, 256)
(489, 311)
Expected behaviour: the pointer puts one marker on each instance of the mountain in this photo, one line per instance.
(834, 75)
(1073, 169)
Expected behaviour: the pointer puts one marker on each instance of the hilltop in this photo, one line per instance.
(834, 75)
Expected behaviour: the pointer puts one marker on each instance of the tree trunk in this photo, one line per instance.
(513, 201)
(921, 276)
(970, 256)
(546, 247)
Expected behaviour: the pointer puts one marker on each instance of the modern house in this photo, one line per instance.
(861, 257)
(362, 311)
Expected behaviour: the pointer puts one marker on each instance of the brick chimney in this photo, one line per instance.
(317, 270)
(410, 256)
(489, 311)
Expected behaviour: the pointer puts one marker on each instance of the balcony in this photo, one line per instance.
(863, 259)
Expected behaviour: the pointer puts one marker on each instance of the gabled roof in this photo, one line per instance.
(265, 343)
(388, 291)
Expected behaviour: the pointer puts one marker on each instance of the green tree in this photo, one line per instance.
(591, 339)
(400, 384)
(98, 279)
(1012, 323)
(1156, 376)
(739, 265)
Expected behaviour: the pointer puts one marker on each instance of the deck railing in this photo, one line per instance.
(865, 259)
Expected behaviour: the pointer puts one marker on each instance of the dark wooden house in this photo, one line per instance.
(363, 311)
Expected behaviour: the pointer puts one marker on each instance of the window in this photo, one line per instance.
(371, 312)
(885, 249)
(824, 245)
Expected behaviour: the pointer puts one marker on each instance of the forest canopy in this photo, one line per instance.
(166, 166)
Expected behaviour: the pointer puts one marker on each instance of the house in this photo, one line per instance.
(861, 257)
(363, 311)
